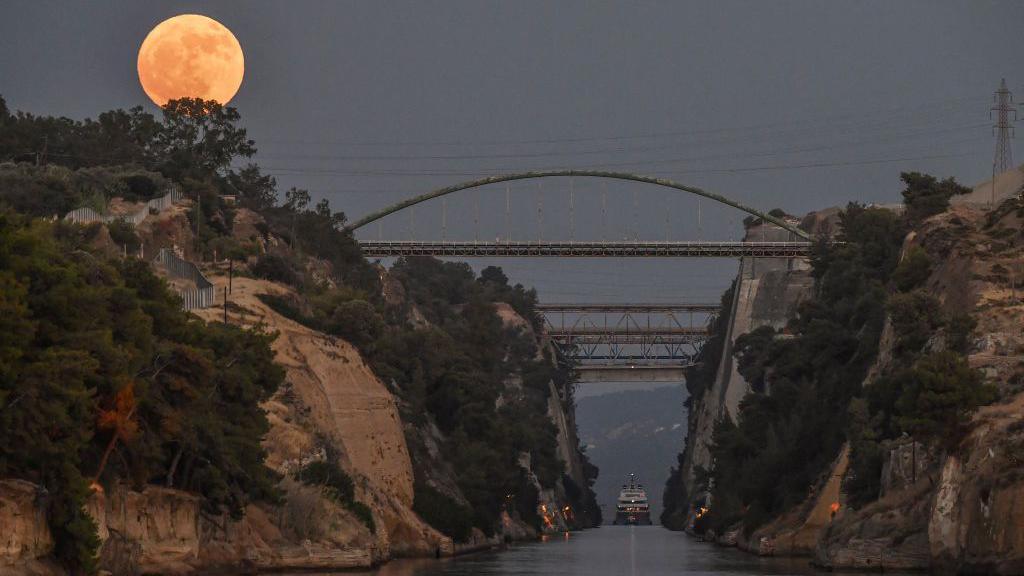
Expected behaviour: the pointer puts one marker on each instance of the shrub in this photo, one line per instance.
(925, 195)
(363, 512)
(441, 512)
(278, 269)
(915, 316)
(123, 234)
(141, 187)
(337, 486)
(913, 270)
(356, 321)
(942, 393)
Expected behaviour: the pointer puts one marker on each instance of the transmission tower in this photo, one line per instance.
(1003, 99)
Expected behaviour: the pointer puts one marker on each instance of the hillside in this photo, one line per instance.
(318, 425)
(878, 428)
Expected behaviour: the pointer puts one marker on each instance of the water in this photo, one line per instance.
(609, 550)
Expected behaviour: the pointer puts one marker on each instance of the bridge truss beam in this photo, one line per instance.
(635, 340)
(639, 249)
(630, 308)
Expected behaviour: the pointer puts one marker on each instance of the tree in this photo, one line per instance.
(200, 137)
(255, 190)
(915, 316)
(753, 351)
(913, 270)
(493, 275)
(119, 420)
(925, 195)
(296, 199)
(942, 392)
(357, 322)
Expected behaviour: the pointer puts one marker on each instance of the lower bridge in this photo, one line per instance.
(632, 373)
(629, 342)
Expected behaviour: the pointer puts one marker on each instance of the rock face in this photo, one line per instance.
(768, 291)
(962, 515)
(331, 391)
(961, 512)
(965, 511)
(330, 395)
(25, 537)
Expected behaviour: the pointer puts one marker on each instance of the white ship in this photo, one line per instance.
(632, 506)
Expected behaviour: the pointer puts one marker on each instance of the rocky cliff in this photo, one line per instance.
(332, 405)
(964, 510)
(961, 509)
(767, 293)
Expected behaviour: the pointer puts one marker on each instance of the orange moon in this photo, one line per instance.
(190, 56)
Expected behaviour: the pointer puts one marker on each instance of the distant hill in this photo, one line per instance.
(638, 431)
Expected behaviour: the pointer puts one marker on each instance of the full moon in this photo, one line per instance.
(190, 56)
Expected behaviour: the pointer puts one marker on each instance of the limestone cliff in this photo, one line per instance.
(331, 407)
(767, 293)
(959, 511)
(330, 392)
(331, 396)
(962, 511)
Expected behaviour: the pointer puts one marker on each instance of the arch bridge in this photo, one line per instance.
(631, 347)
(799, 245)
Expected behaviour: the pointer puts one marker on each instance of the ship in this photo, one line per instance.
(632, 507)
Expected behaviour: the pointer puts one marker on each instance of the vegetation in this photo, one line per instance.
(925, 195)
(441, 512)
(338, 486)
(808, 398)
(699, 378)
(116, 383)
(98, 360)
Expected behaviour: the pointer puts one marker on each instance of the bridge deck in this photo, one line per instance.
(394, 248)
(627, 308)
(614, 332)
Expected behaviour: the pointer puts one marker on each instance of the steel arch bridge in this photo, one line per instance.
(665, 183)
(624, 351)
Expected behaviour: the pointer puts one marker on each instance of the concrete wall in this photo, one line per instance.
(768, 292)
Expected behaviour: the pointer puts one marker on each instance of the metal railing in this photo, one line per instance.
(86, 215)
(393, 248)
(203, 295)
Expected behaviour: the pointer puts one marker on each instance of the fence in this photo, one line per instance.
(88, 215)
(202, 296)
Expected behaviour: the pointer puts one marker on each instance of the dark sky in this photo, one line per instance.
(798, 105)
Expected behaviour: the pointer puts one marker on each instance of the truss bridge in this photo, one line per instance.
(629, 342)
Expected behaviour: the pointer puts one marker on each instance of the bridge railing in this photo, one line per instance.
(204, 293)
(392, 248)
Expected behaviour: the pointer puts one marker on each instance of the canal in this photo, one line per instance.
(609, 550)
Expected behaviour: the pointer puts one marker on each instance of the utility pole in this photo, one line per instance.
(1003, 131)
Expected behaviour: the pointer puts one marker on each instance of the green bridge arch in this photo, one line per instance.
(373, 217)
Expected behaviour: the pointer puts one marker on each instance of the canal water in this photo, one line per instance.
(609, 550)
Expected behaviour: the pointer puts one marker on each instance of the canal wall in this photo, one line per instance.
(767, 293)
(943, 509)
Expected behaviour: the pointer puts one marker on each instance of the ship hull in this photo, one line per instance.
(632, 519)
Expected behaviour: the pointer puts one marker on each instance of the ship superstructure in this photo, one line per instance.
(632, 506)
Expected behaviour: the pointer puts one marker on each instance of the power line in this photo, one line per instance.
(896, 110)
(479, 172)
(901, 134)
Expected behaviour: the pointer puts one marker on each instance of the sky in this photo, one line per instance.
(797, 105)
